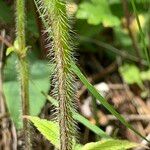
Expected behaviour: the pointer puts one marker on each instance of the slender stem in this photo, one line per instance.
(141, 33)
(23, 67)
(94, 111)
(132, 36)
(20, 25)
(54, 16)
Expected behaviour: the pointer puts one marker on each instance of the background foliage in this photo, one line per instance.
(102, 31)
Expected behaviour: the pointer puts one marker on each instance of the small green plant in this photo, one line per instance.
(90, 11)
(127, 72)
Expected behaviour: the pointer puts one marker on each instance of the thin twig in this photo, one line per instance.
(10, 142)
(122, 53)
(131, 117)
(4, 116)
(5, 41)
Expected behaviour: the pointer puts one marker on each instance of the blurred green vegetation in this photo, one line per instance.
(101, 27)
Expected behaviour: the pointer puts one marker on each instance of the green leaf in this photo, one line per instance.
(16, 45)
(131, 74)
(40, 74)
(145, 75)
(49, 129)
(39, 78)
(96, 12)
(103, 101)
(78, 147)
(11, 91)
(109, 145)
(128, 71)
(9, 50)
(89, 125)
(81, 119)
(10, 68)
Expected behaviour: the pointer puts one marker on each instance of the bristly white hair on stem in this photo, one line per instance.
(57, 26)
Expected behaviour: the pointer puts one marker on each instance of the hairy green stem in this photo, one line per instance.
(22, 66)
(64, 76)
(56, 22)
(20, 24)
